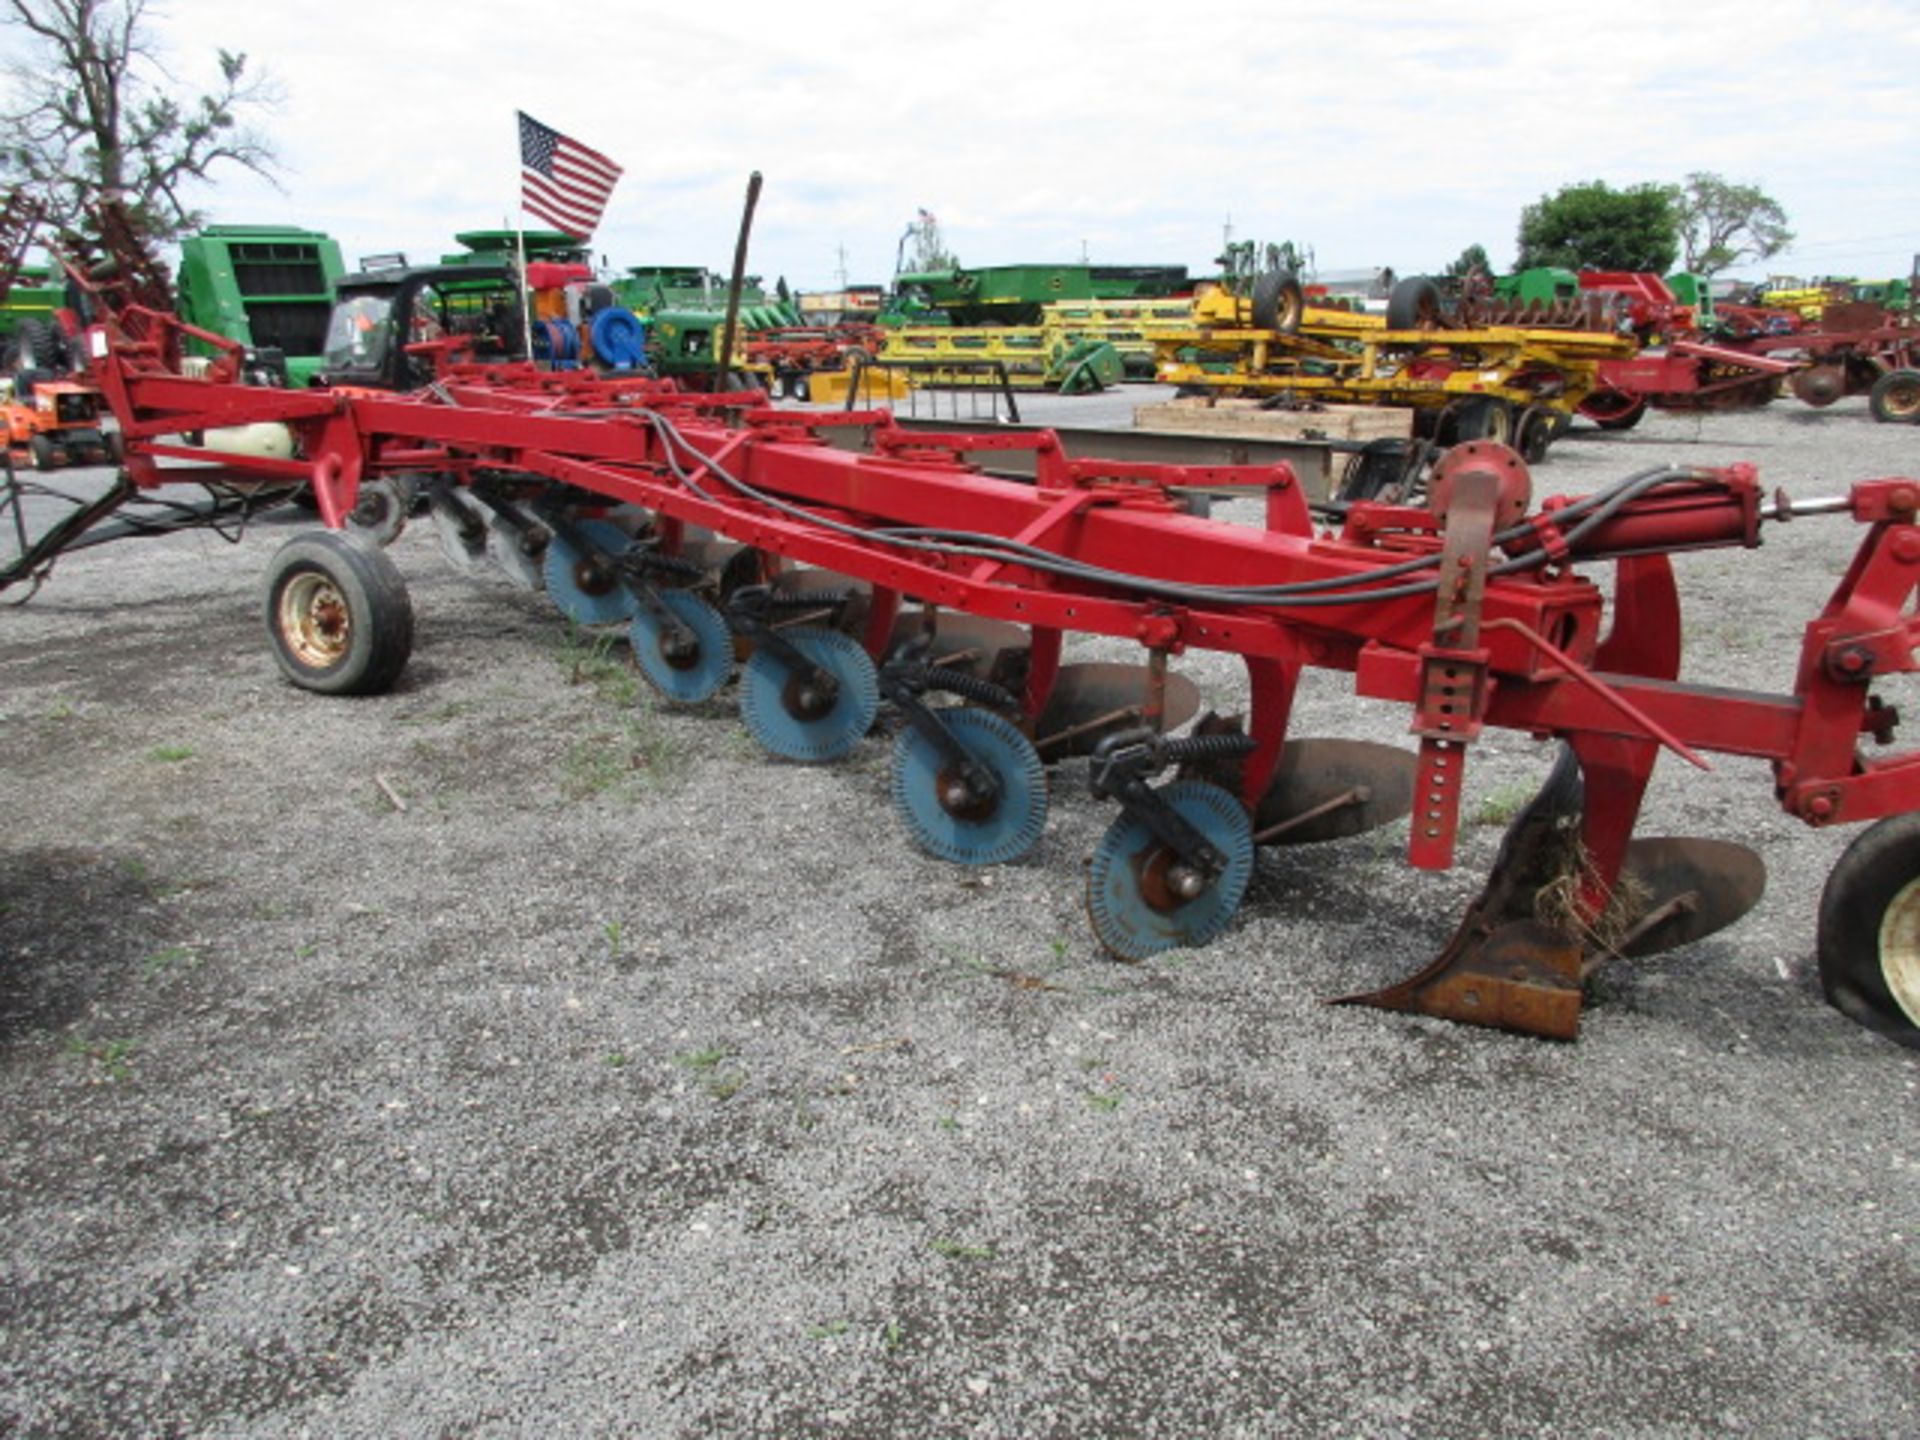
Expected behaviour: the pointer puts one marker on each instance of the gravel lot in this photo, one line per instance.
(626, 1082)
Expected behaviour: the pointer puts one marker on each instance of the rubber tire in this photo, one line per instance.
(1895, 398)
(36, 345)
(1278, 302)
(44, 453)
(1882, 861)
(1484, 417)
(1533, 433)
(379, 613)
(1413, 304)
(1617, 418)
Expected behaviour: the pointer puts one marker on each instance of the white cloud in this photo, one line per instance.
(1376, 132)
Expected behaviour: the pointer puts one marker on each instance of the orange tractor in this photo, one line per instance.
(55, 422)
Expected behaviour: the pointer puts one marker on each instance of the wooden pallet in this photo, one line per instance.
(1199, 415)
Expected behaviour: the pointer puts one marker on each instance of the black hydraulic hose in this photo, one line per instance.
(1594, 509)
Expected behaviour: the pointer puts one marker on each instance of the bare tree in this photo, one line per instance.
(95, 116)
(1722, 223)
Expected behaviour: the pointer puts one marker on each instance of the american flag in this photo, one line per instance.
(561, 180)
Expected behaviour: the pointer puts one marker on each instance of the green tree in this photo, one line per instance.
(1722, 223)
(1473, 258)
(93, 117)
(1592, 226)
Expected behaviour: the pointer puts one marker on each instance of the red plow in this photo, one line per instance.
(907, 581)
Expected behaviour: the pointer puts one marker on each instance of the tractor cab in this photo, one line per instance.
(380, 319)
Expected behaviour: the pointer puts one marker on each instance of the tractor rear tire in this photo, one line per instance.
(338, 614)
(1414, 304)
(1869, 935)
(1895, 398)
(1278, 302)
(36, 345)
(45, 454)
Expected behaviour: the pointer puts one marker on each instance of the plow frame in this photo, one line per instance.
(1498, 627)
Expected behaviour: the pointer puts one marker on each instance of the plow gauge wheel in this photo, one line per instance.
(798, 721)
(586, 585)
(1870, 930)
(945, 818)
(338, 614)
(687, 672)
(1133, 892)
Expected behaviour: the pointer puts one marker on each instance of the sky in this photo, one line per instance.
(1372, 132)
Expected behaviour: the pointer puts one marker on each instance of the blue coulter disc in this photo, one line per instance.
(1006, 829)
(773, 708)
(1132, 913)
(691, 677)
(584, 597)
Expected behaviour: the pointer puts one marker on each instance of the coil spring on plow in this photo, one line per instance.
(843, 582)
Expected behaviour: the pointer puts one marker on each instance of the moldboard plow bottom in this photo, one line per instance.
(906, 586)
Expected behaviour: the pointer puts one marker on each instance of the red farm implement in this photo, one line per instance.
(907, 577)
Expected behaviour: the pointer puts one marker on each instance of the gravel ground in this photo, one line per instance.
(627, 1082)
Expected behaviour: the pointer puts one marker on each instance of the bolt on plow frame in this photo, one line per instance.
(728, 535)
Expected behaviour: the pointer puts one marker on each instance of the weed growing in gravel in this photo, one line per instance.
(721, 1084)
(949, 1123)
(613, 1060)
(162, 961)
(1503, 804)
(170, 754)
(956, 1250)
(706, 1058)
(640, 750)
(892, 1335)
(114, 1057)
(727, 1085)
(61, 710)
(1106, 1101)
(591, 659)
(592, 765)
(828, 1329)
(612, 931)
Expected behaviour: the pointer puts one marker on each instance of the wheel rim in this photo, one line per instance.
(1903, 399)
(1900, 950)
(315, 622)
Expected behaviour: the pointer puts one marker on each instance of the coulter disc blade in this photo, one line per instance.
(517, 547)
(688, 674)
(800, 722)
(585, 585)
(461, 529)
(1134, 909)
(955, 826)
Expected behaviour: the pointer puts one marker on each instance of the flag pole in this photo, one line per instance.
(723, 360)
(526, 295)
